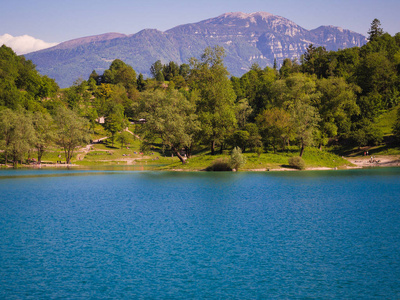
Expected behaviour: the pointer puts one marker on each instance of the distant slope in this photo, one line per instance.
(247, 38)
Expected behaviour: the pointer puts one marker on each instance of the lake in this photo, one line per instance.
(105, 234)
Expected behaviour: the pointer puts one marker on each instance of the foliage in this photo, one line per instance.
(297, 162)
(72, 131)
(16, 133)
(375, 30)
(276, 127)
(215, 107)
(396, 126)
(171, 117)
(220, 165)
(237, 159)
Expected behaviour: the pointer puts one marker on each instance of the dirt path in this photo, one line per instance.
(375, 161)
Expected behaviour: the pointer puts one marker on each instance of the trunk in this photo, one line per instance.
(6, 160)
(221, 149)
(178, 153)
(301, 150)
(212, 147)
(40, 154)
(15, 160)
(188, 152)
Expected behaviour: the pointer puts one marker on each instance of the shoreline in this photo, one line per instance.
(378, 161)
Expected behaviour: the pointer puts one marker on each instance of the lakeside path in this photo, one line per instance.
(375, 161)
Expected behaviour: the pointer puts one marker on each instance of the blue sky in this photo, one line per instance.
(58, 21)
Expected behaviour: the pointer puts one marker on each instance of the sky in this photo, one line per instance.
(31, 24)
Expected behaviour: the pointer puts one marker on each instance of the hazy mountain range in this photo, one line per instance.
(247, 38)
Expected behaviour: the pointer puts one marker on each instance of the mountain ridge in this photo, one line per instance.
(248, 38)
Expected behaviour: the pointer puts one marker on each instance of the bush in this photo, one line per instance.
(297, 162)
(237, 159)
(219, 165)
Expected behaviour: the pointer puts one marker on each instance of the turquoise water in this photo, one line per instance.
(73, 234)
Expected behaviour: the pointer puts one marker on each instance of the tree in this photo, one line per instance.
(72, 131)
(305, 120)
(123, 74)
(170, 117)
(276, 126)
(375, 30)
(240, 139)
(156, 70)
(396, 126)
(44, 133)
(336, 106)
(237, 159)
(254, 139)
(114, 121)
(243, 111)
(16, 133)
(215, 107)
(141, 84)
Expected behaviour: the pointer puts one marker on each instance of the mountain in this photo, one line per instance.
(247, 38)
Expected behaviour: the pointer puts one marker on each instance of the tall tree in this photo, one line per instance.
(276, 127)
(156, 70)
(72, 131)
(305, 120)
(171, 117)
(115, 121)
(44, 133)
(375, 30)
(337, 105)
(215, 107)
(16, 133)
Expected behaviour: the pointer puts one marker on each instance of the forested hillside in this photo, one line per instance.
(329, 100)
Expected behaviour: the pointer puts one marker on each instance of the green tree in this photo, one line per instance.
(240, 139)
(156, 71)
(396, 127)
(337, 105)
(170, 117)
(215, 107)
(114, 120)
(123, 74)
(72, 131)
(375, 30)
(254, 140)
(305, 120)
(243, 111)
(44, 133)
(237, 159)
(276, 127)
(141, 83)
(16, 133)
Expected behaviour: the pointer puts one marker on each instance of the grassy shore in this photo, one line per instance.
(106, 154)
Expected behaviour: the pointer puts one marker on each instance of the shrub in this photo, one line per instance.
(219, 165)
(237, 159)
(297, 162)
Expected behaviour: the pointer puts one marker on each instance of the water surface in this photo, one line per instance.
(119, 234)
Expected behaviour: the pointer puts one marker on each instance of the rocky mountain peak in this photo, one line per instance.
(247, 38)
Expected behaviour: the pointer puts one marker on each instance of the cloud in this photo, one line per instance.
(24, 44)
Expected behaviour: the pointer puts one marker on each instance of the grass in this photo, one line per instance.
(313, 158)
(386, 121)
